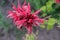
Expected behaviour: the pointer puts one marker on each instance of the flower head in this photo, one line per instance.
(57, 1)
(22, 17)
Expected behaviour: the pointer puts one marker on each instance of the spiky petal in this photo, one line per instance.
(22, 17)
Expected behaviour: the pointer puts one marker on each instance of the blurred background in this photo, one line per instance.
(50, 10)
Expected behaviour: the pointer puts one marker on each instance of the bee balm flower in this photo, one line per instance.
(57, 1)
(22, 17)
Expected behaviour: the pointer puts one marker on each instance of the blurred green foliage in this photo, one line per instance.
(2, 2)
(30, 37)
(37, 4)
(3, 23)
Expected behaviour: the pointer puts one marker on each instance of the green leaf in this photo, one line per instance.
(49, 27)
(51, 23)
(43, 8)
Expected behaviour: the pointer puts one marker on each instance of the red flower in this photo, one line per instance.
(23, 17)
(57, 1)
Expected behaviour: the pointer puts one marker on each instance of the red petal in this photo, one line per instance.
(30, 21)
(11, 14)
(14, 7)
(57, 1)
(19, 5)
(41, 20)
(24, 2)
(29, 8)
(37, 12)
(36, 23)
(20, 22)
